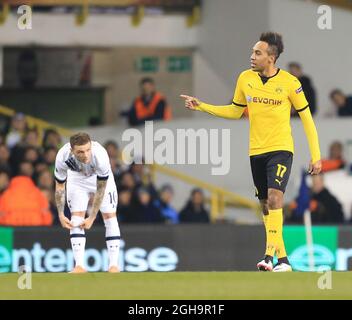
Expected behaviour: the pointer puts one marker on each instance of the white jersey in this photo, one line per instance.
(67, 165)
(82, 178)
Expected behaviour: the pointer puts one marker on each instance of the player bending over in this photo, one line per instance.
(268, 92)
(84, 167)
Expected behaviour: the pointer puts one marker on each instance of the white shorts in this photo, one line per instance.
(80, 189)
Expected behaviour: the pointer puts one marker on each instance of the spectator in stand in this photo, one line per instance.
(52, 139)
(342, 103)
(112, 149)
(124, 210)
(324, 207)
(126, 180)
(17, 130)
(31, 138)
(39, 167)
(307, 86)
(26, 168)
(45, 180)
(138, 172)
(49, 157)
(166, 195)
(29, 144)
(150, 105)
(335, 160)
(4, 180)
(49, 195)
(143, 210)
(31, 154)
(195, 211)
(143, 177)
(4, 158)
(115, 168)
(23, 204)
(327, 209)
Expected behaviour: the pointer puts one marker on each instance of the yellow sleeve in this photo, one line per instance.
(296, 95)
(239, 98)
(311, 133)
(227, 112)
(233, 111)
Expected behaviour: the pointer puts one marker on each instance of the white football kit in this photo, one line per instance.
(82, 178)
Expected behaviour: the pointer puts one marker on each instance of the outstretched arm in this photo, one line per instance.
(228, 112)
(313, 140)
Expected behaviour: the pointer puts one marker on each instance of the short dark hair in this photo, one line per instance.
(111, 143)
(50, 148)
(196, 190)
(336, 91)
(79, 139)
(274, 40)
(146, 80)
(294, 65)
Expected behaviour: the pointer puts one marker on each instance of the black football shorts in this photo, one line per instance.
(271, 170)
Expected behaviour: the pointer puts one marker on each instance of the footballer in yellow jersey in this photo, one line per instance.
(269, 92)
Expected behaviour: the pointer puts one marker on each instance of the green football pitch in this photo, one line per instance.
(179, 285)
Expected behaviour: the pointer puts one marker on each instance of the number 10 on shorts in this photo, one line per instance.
(113, 198)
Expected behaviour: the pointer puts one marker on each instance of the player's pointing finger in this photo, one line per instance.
(186, 97)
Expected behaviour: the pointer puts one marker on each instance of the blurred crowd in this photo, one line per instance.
(27, 186)
(323, 204)
(341, 101)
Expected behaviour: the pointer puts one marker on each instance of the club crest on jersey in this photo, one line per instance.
(299, 90)
(278, 90)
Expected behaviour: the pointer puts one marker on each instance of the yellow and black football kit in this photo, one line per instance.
(269, 101)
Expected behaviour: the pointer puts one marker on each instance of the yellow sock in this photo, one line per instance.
(275, 241)
(265, 220)
(280, 250)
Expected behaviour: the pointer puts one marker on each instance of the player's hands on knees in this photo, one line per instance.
(87, 223)
(315, 168)
(65, 222)
(190, 102)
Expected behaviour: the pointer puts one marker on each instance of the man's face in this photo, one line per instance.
(197, 198)
(112, 151)
(125, 197)
(148, 88)
(260, 59)
(32, 139)
(83, 153)
(317, 183)
(339, 100)
(336, 151)
(19, 124)
(295, 71)
(144, 198)
(4, 181)
(166, 196)
(4, 153)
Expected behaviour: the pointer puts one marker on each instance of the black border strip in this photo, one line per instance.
(300, 110)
